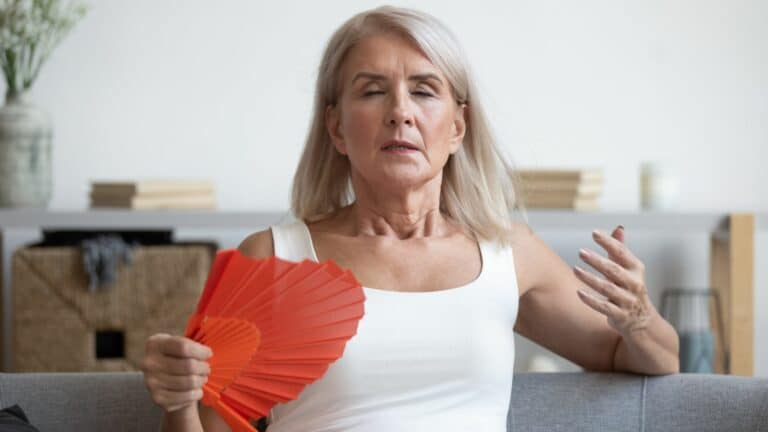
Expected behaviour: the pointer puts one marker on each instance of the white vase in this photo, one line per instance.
(25, 153)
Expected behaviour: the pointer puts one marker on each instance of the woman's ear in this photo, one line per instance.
(333, 126)
(458, 128)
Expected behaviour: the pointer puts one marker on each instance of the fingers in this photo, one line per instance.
(175, 370)
(625, 303)
(603, 306)
(178, 346)
(177, 366)
(618, 233)
(605, 287)
(616, 248)
(610, 269)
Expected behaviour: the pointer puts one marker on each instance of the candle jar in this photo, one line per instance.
(659, 186)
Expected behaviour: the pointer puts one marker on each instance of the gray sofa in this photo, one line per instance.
(116, 402)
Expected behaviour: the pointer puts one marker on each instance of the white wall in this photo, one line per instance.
(223, 90)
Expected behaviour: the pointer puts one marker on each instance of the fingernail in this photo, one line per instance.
(621, 227)
(596, 233)
(584, 252)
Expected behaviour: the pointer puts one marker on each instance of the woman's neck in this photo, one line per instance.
(397, 212)
(397, 222)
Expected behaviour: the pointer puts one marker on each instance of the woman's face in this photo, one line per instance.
(391, 91)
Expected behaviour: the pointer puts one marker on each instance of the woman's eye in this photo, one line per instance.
(417, 93)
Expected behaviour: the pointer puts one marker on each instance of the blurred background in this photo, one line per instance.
(223, 90)
(158, 88)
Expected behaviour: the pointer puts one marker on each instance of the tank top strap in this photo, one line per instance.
(290, 241)
(497, 259)
(500, 277)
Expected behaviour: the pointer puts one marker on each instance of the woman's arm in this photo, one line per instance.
(184, 419)
(652, 351)
(624, 333)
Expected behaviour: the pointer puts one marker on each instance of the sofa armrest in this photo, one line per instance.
(103, 401)
(586, 401)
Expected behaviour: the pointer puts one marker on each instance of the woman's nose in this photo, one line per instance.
(400, 112)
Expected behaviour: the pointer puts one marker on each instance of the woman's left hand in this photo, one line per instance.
(627, 304)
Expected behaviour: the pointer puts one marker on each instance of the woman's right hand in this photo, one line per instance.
(175, 370)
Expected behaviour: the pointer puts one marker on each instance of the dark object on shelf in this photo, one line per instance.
(74, 238)
(104, 250)
(101, 257)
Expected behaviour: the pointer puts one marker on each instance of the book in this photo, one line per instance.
(590, 188)
(588, 174)
(112, 196)
(151, 187)
(578, 203)
(557, 196)
(201, 201)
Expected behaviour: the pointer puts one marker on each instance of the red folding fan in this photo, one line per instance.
(274, 327)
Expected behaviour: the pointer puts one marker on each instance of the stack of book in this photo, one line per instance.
(154, 194)
(575, 189)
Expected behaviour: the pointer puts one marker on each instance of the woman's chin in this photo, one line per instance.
(403, 180)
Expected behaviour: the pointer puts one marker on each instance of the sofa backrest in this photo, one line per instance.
(627, 402)
(118, 402)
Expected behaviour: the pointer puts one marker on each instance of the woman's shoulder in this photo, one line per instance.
(258, 244)
(521, 232)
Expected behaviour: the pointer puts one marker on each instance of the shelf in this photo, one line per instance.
(634, 221)
(118, 218)
(538, 219)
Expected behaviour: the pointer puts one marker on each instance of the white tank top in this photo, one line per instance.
(420, 361)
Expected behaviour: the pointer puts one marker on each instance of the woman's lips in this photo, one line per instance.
(399, 150)
(399, 147)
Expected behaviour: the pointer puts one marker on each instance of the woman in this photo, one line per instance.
(401, 182)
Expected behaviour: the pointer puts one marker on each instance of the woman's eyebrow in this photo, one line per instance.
(379, 77)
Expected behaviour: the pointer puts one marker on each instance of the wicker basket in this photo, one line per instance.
(60, 326)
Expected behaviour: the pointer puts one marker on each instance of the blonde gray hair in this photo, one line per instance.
(479, 189)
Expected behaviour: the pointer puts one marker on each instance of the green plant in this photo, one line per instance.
(29, 31)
